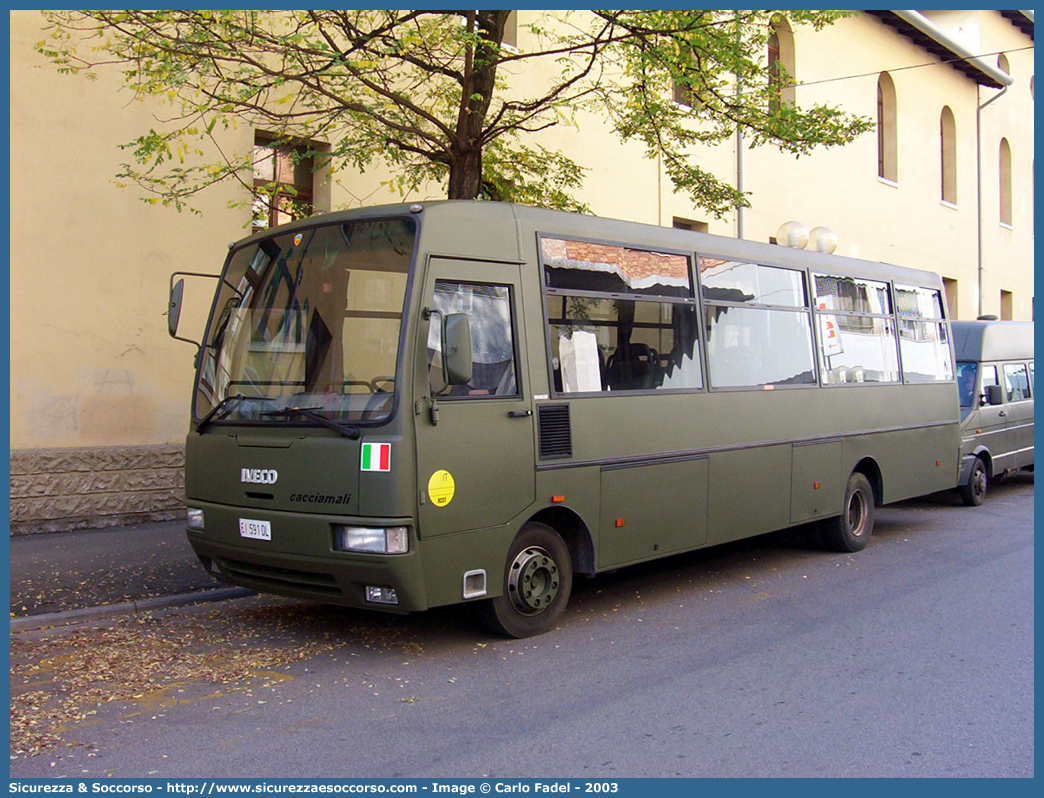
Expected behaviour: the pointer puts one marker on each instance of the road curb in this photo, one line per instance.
(126, 608)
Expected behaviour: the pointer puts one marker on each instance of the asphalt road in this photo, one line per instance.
(762, 658)
(60, 571)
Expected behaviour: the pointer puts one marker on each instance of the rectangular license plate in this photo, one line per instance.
(258, 530)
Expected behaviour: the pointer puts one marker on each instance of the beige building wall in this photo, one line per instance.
(100, 393)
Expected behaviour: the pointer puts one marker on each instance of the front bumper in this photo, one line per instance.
(300, 560)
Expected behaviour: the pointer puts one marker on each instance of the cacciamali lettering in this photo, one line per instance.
(320, 498)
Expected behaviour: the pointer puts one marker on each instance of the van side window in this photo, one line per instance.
(1031, 377)
(619, 318)
(1016, 382)
(989, 377)
(967, 373)
(488, 308)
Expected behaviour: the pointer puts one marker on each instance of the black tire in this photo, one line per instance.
(974, 491)
(851, 530)
(538, 578)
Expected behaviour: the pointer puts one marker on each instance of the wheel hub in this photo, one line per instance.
(857, 514)
(533, 580)
(979, 482)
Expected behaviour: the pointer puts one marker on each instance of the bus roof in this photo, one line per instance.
(477, 228)
(993, 340)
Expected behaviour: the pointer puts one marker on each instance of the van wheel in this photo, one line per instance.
(538, 579)
(851, 530)
(975, 490)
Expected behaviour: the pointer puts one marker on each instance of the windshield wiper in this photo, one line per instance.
(310, 413)
(226, 406)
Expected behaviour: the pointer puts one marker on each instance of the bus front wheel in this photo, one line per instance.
(851, 530)
(538, 579)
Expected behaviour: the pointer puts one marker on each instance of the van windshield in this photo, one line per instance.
(308, 320)
(966, 374)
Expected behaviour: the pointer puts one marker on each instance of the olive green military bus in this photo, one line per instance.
(410, 406)
(995, 382)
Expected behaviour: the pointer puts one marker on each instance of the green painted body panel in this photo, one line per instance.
(682, 469)
(816, 480)
(662, 509)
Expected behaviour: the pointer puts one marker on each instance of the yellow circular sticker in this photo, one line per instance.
(441, 488)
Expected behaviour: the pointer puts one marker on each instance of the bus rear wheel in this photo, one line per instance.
(851, 530)
(974, 491)
(538, 579)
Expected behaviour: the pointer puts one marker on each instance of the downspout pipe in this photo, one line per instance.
(937, 34)
(978, 183)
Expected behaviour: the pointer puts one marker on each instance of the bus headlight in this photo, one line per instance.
(195, 518)
(388, 540)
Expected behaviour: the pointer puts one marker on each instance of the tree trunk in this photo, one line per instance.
(480, 74)
(465, 177)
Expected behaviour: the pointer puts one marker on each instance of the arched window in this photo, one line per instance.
(781, 59)
(948, 155)
(1005, 182)
(1002, 64)
(887, 148)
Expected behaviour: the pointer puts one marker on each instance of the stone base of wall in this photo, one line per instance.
(57, 490)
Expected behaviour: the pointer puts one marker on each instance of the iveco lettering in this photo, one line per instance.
(409, 406)
(260, 476)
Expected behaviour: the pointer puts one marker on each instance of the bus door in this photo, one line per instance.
(475, 455)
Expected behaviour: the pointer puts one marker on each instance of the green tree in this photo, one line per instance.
(437, 96)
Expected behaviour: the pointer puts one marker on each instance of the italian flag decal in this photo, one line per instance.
(376, 457)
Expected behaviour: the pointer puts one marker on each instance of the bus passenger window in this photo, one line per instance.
(924, 347)
(622, 345)
(857, 340)
(758, 327)
(619, 318)
(488, 308)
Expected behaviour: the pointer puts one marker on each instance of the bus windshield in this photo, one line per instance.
(308, 321)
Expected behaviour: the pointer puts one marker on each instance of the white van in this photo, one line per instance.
(995, 377)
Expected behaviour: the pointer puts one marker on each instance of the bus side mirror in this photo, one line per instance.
(994, 395)
(174, 307)
(457, 349)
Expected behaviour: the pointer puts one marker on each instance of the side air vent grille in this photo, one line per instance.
(556, 437)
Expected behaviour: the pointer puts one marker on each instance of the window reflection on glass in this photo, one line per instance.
(310, 319)
(758, 346)
(734, 281)
(922, 303)
(488, 308)
(855, 347)
(1016, 382)
(925, 351)
(851, 294)
(610, 268)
